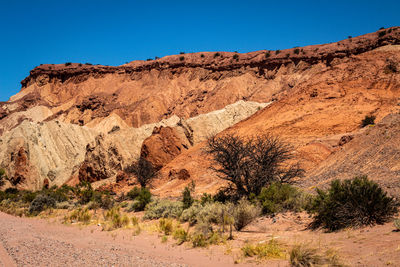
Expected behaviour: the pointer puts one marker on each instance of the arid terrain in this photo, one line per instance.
(83, 125)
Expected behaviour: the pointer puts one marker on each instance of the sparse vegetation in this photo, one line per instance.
(357, 202)
(266, 250)
(381, 33)
(267, 54)
(244, 213)
(202, 55)
(216, 55)
(304, 256)
(182, 58)
(236, 57)
(368, 120)
(67, 63)
(296, 51)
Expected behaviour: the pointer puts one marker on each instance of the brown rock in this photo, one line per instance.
(163, 145)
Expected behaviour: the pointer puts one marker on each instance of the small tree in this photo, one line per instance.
(2, 177)
(143, 170)
(251, 164)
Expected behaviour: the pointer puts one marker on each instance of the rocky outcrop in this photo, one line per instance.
(102, 160)
(33, 152)
(163, 145)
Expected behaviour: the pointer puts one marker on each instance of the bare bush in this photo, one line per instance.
(253, 163)
(143, 170)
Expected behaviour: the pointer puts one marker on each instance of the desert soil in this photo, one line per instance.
(37, 242)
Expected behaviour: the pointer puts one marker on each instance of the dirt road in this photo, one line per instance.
(37, 242)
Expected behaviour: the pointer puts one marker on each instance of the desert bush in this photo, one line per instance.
(187, 198)
(280, 197)
(2, 176)
(277, 52)
(182, 58)
(296, 51)
(180, 235)
(40, 203)
(244, 213)
(368, 120)
(206, 198)
(67, 63)
(355, 202)
(141, 197)
(143, 170)
(80, 215)
(253, 163)
(267, 54)
(165, 226)
(302, 256)
(163, 209)
(216, 55)
(396, 224)
(116, 219)
(190, 214)
(198, 240)
(235, 57)
(381, 33)
(270, 249)
(134, 220)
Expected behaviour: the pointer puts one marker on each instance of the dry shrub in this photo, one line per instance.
(270, 249)
(244, 213)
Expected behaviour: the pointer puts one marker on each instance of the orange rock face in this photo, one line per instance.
(163, 146)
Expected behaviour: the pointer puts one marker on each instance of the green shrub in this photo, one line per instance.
(244, 213)
(67, 63)
(141, 198)
(280, 197)
(216, 55)
(267, 54)
(2, 176)
(381, 33)
(368, 120)
(206, 198)
(355, 202)
(198, 240)
(190, 214)
(40, 203)
(187, 198)
(236, 57)
(201, 55)
(277, 52)
(296, 51)
(182, 58)
(163, 209)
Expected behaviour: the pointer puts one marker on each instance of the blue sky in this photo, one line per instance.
(115, 32)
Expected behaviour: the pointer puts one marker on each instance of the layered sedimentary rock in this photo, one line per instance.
(74, 122)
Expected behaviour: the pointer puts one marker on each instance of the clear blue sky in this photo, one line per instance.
(113, 32)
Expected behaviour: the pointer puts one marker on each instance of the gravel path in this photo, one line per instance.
(35, 242)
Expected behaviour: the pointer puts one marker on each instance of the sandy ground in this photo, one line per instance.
(47, 242)
(37, 242)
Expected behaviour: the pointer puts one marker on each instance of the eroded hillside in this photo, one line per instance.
(74, 122)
